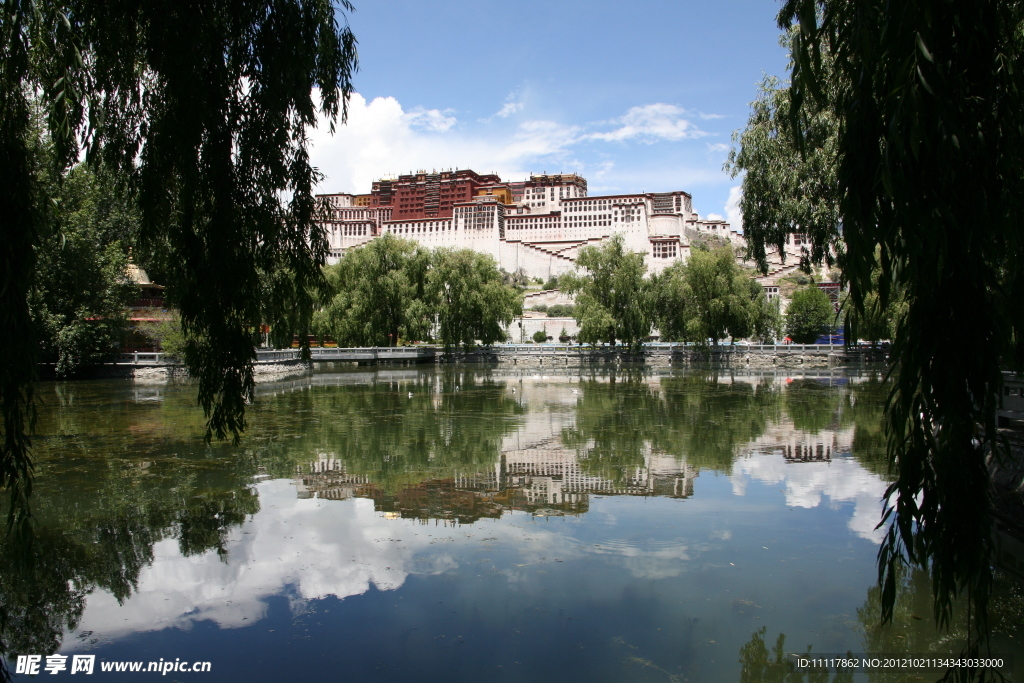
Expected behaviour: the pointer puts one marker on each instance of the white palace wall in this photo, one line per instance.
(542, 232)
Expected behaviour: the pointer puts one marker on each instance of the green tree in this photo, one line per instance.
(167, 334)
(376, 295)
(671, 297)
(810, 315)
(612, 298)
(206, 112)
(78, 302)
(464, 289)
(540, 336)
(929, 131)
(710, 297)
(872, 320)
(763, 320)
(789, 179)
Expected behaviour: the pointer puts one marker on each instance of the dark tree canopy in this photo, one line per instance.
(204, 105)
(929, 129)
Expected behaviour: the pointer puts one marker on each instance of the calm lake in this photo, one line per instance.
(458, 524)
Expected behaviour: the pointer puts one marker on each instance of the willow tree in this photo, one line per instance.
(711, 297)
(612, 296)
(82, 290)
(377, 295)
(929, 130)
(205, 106)
(465, 291)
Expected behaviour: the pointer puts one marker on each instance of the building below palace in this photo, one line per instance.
(537, 225)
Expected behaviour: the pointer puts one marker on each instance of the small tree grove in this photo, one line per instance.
(393, 290)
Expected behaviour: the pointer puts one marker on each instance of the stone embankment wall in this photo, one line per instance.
(538, 356)
(573, 356)
(262, 372)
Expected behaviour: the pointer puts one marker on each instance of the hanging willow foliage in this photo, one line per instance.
(204, 105)
(929, 120)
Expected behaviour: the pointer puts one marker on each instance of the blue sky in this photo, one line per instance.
(634, 96)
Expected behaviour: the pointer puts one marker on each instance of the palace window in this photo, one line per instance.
(664, 250)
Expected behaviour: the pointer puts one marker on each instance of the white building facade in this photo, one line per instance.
(537, 226)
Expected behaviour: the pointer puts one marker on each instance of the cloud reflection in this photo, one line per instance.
(303, 548)
(807, 484)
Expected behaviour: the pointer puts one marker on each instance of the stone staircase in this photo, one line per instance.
(777, 269)
(546, 252)
(777, 273)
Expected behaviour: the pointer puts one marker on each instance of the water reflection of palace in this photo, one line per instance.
(551, 441)
(326, 478)
(554, 475)
(544, 480)
(798, 446)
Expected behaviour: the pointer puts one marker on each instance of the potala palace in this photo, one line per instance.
(537, 225)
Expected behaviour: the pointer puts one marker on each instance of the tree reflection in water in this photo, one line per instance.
(103, 542)
(114, 478)
(615, 417)
(759, 665)
(454, 421)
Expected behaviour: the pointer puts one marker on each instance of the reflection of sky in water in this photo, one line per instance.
(306, 549)
(806, 484)
(310, 549)
(629, 587)
(680, 584)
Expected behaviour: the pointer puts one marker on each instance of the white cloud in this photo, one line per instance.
(513, 104)
(380, 138)
(652, 122)
(603, 169)
(433, 120)
(509, 109)
(309, 549)
(648, 560)
(732, 207)
(538, 138)
(717, 147)
(715, 217)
